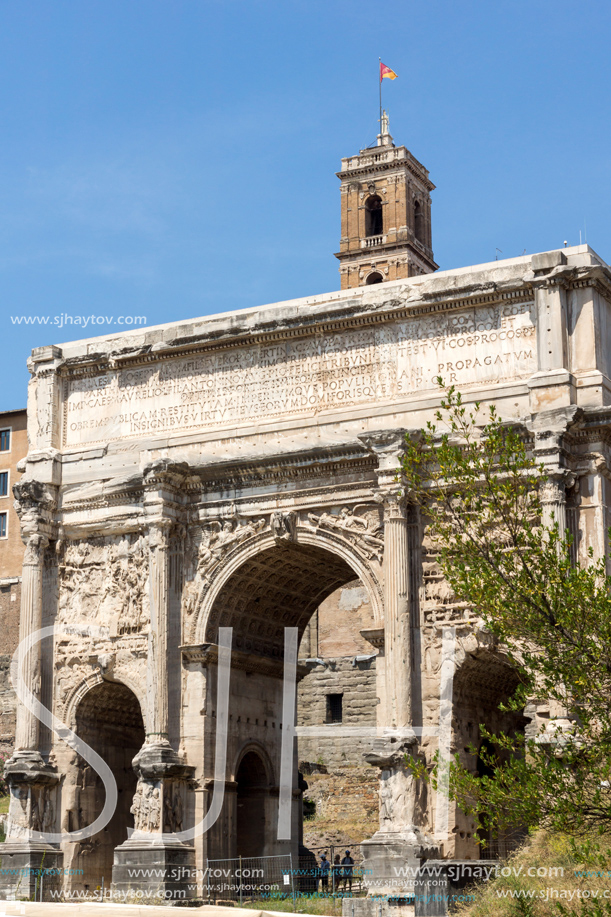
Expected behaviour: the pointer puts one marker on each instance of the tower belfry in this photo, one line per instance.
(386, 214)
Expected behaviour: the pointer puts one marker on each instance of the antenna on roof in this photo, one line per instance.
(498, 252)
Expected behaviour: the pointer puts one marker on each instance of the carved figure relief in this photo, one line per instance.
(172, 807)
(386, 806)
(283, 526)
(364, 531)
(217, 538)
(106, 581)
(146, 807)
(31, 809)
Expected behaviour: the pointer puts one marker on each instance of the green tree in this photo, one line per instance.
(479, 486)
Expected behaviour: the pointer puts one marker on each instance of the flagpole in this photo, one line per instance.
(380, 82)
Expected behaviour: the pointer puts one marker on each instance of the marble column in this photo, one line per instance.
(397, 629)
(399, 842)
(161, 801)
(31, 781)
(28, 725)
(552, 494)
(157, 671)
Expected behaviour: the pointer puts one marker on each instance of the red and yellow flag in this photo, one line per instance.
(386, 71)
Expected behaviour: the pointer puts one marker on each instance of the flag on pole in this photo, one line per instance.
(386, 71)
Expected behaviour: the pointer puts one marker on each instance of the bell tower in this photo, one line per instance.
(386, 215)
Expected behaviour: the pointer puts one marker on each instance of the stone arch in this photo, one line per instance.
(311, 545)
(108, 717)
(484, 679)
(263, 754)
(76, 695)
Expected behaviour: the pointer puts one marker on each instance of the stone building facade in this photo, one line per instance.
(211, 483)
(13, 449)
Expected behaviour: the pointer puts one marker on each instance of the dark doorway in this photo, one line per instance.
(373, 216)
(110, 721)
(253, 790)
(375, 277)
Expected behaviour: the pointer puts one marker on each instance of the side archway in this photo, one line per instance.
(109, 719)
(253, 777)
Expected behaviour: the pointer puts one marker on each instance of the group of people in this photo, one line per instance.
(342, 870)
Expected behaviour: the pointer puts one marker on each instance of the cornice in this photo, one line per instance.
(388, 249)
(306, 466)
(395, 165)
(93, 364)
(296, 466)
(206, 654)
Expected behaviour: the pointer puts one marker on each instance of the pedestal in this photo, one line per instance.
(158, 868)
(392, 861)
(31, 867)
(153, 862)
(31, 870)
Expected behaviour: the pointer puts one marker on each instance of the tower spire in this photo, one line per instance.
(384, 138)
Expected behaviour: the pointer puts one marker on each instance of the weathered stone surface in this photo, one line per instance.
(235, 472)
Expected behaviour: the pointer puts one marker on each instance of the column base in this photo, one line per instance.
(159, 868)
(392, 860)
(31, 871)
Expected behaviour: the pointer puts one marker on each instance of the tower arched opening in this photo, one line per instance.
(374, 219)
(418, 221)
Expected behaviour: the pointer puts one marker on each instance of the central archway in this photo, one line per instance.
(109, 719)
(263, 589)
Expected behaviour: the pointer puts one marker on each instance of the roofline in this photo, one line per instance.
(334, 297)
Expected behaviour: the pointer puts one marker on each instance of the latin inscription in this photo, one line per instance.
(326, 372)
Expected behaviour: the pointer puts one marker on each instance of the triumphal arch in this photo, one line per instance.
(230, 473)
(193, 492)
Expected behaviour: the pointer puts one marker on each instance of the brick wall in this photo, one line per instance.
(331, 643)
(11, 559)
(11, 547)
(10, 603)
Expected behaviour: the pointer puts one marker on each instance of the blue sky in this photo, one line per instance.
(174, 158)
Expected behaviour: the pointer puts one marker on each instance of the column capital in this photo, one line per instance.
(393, 501)
(35, 544)
(159, 532)
(553, 486)
(163, 472)
(389, 447)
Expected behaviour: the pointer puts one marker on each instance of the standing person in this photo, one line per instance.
(325, 867)
(337, 871)
(348, 866)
